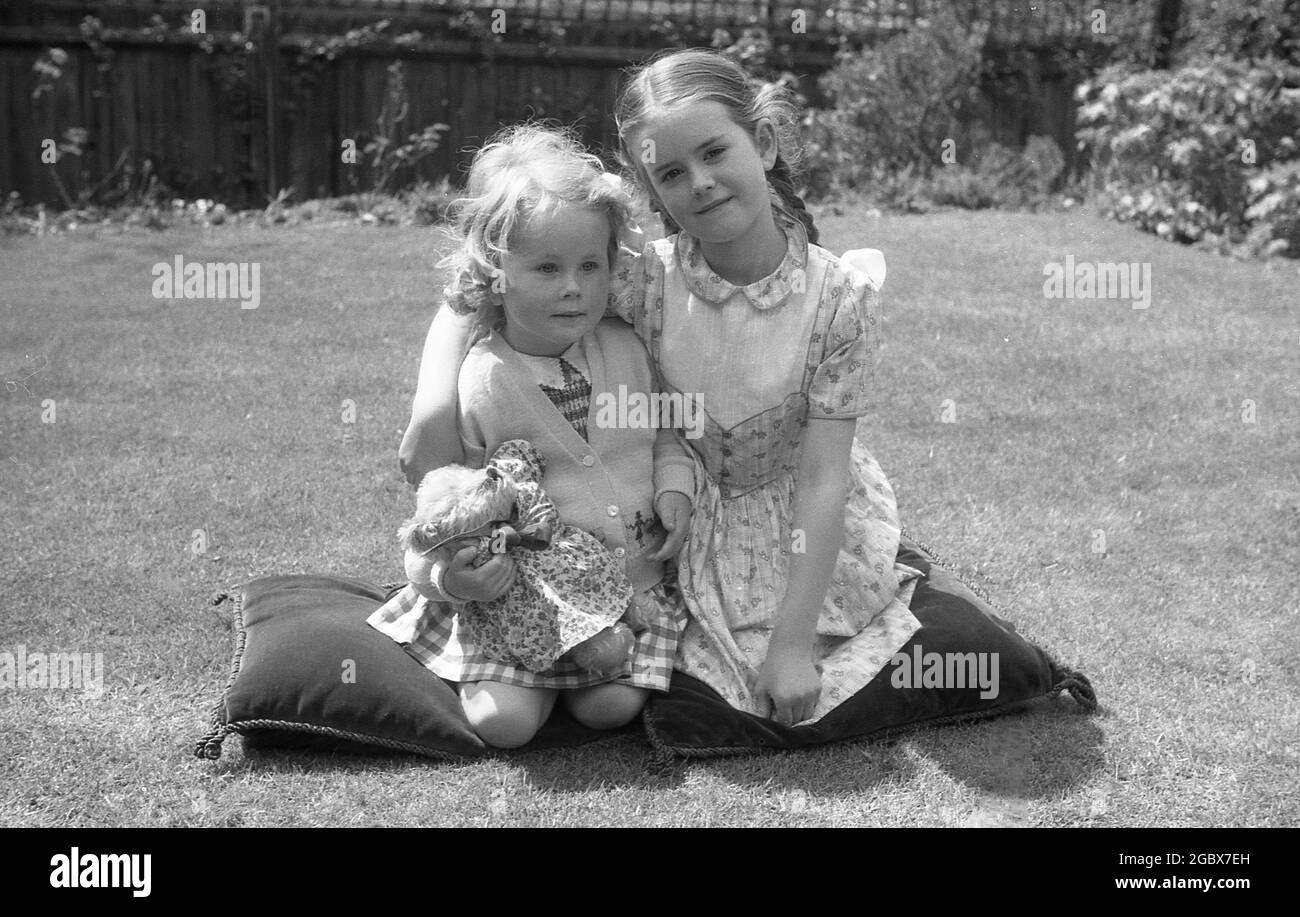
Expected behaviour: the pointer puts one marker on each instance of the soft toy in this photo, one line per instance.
(569, 592)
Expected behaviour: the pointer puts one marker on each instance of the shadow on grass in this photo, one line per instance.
(1040, 752)
(1043, 751)
(560, 757)
(1046, 750)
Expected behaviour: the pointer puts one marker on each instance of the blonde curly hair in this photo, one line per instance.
(523, 170)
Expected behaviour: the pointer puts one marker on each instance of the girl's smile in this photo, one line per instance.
(555, 280)
(711, 177)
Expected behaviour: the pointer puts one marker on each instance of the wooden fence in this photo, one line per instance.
(261, 96)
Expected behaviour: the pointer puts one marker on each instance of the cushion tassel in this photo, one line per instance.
(210, 745)
(1079, 687)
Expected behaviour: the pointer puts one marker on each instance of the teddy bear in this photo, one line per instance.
(569, 593)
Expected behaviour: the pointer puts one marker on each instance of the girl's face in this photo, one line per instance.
(708, 172)
(555, 280)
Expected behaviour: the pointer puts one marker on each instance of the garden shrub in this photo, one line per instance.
(1000, 176)
(892, 106)
(430, 202)
(1205, 153)
(1274, 211)
(893, 109)
(1241, 29)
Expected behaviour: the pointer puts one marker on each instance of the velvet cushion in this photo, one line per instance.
(309, 672)
(692, 720)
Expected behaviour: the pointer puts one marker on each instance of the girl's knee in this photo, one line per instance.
(505, 718)
(504, 729)
(606, 706)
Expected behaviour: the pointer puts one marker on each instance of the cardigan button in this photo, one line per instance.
(588, 460)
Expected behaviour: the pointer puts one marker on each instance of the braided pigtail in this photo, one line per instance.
(782, 182)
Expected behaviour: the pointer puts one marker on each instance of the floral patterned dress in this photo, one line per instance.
(569, 591)
(797, 344)
(567, 587)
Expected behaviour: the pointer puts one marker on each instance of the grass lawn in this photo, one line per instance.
(1078, 425)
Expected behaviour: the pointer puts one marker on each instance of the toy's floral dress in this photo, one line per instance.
(798, 344)
(567, 586)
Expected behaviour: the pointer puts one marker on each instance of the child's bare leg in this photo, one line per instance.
(506, 716)
(606, 706)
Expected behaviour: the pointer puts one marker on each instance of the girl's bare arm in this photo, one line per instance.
(431, 438)
(788, 677)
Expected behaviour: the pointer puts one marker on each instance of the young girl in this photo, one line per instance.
(540, 228)
(794, 598)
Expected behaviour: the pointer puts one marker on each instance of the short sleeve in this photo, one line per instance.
(843, 381)
(627, 286)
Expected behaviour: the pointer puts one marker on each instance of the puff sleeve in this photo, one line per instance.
(843, 382)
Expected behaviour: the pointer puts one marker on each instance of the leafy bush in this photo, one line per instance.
(893, 111)
(1035, 170)
(1179, 152)
(1274, 211)
(962, 186)
(893, 106)
(429, 203)
(1000, 176)
(1242, 29)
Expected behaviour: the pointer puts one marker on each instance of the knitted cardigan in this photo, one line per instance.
(606, 485)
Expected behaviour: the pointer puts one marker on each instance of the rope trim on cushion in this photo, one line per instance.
(934, 558)
(250, 726)
(209, 746)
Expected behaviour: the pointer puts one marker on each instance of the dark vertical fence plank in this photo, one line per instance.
(125, 117)
(162, 101)
(29, 124)
(207, 151)
(15, 109)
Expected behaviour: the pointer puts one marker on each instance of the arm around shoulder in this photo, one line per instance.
(431, 439)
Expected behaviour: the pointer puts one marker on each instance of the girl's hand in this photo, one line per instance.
(789, 683)
(674, 511)
(463, 581)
